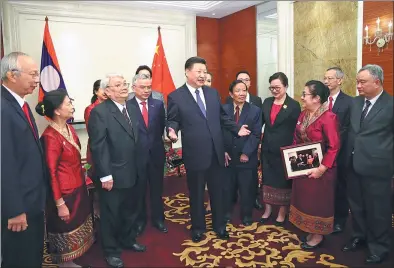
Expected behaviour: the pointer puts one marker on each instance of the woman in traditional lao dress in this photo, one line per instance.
(312, 200)
(68, 214)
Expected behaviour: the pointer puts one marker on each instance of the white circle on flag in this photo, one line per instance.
(50, 78)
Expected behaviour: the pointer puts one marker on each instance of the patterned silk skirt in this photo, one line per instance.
(276, 188)
(68, 241)
(312, 203)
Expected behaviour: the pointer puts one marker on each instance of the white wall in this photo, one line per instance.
(267, 55)
(92, 40)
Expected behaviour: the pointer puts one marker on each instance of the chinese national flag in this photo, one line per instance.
(161, 76)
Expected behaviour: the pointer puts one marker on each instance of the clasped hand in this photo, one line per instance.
(18, 223)
(172, 135)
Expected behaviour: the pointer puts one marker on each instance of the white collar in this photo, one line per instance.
(192, 89)
(374, 99)
(19, 99)
(336, 95)
(120, 106)
(139, 101)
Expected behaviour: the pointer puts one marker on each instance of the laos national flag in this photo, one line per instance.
(50, 75)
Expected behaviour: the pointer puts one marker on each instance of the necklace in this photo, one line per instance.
(63, 131)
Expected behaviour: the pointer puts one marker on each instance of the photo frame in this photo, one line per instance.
(299, 159)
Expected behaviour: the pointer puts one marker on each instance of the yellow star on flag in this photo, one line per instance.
(157, 50)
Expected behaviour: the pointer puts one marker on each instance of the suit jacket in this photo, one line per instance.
(24, 184)
(342, 108)
(372, 143)
(279, 134)
(202, 137)
(256, 100)
(112, 142)
(248, 145)
(150, 139)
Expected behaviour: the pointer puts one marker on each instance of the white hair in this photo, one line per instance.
(9, 63)
(105, 81)
(138, 77)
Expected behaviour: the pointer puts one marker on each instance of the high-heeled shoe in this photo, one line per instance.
(264, 220)
(306, 246)
(281, 223)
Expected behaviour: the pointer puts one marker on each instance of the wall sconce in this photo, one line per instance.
(380, 38)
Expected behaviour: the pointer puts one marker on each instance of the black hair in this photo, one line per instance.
(281, 76)
(144, 67)
(193, 60)
(317, 88)
(234, 83)
(52, 101)
(96, 87)
(242, 72)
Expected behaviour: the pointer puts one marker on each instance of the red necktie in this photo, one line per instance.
(145, 113)
(330, 104)
(236, 114)
(25, 109)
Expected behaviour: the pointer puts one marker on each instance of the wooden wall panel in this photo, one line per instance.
(229, 45)
(383, 10)
(238, 47)
(208, 46)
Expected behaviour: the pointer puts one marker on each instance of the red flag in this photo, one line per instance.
(51, 76)
(161, 76)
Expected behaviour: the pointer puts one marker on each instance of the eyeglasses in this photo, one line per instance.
(244, 79)
(305, 94)
(274, 88)
(32, 74)
(124, 85)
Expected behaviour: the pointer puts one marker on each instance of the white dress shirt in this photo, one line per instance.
(140, 105)
(120, 107)
(373, 101)
(18, 98)
(247, 97)
(193, 92)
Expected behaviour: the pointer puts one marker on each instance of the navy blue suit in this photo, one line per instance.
(24, 185)
(202, 150)
(151, 159)
(242, 173)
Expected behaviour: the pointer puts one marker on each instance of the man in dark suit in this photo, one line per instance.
(242, 151)
(244, 76)
(151, 153)
(370, 160)
(340, 104)
(113, 135)
(195, 110)
(23, 169)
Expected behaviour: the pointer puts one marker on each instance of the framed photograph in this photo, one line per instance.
(301, 158)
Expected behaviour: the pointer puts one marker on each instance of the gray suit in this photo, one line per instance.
(369, 157)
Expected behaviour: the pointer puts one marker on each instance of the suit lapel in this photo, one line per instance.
(151, 111)
(20, 112)
(116, 113)
(284, 112)
(376, 108)
(338, 102)
(139, 113)
(244, 114)
(192, 101)
(267, 111)
(134, 120)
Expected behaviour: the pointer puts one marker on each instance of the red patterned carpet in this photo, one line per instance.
(253, 246)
